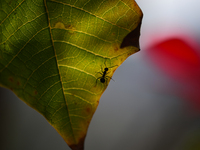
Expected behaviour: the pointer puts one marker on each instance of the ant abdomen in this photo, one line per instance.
(102, 80)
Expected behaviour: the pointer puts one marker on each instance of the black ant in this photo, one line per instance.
(103, 78)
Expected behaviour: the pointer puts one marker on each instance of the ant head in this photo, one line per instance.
(106, 69)
(102, 80)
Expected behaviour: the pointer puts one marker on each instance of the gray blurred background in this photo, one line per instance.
(139, 111)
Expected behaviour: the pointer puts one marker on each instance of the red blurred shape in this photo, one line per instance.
(180, 61)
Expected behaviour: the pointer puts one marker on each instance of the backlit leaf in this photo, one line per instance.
(53, 54)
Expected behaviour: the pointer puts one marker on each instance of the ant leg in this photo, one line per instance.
(108, 67)
(112, 66)
(105, 63)
(96, 80)
(100, 73)
(110, 78)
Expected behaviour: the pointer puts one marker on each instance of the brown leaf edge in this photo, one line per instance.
(132, 39)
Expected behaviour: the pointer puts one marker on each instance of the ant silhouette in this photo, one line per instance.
(104, 77)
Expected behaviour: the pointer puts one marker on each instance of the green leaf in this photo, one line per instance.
(53, 54)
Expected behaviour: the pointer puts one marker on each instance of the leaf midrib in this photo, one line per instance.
(48, 19)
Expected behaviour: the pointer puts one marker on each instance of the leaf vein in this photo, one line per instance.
(67, 93)
(12, 11)
(47, 90)
(37, 69)
(76, 69)
(90, 14)
(79, 47)
(80, 89)
(20, 28)
(22, 48)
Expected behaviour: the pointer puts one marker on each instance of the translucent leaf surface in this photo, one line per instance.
(53, 54)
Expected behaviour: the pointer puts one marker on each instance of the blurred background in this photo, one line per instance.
(154, 103)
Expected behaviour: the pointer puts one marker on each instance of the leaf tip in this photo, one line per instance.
(79, 145)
